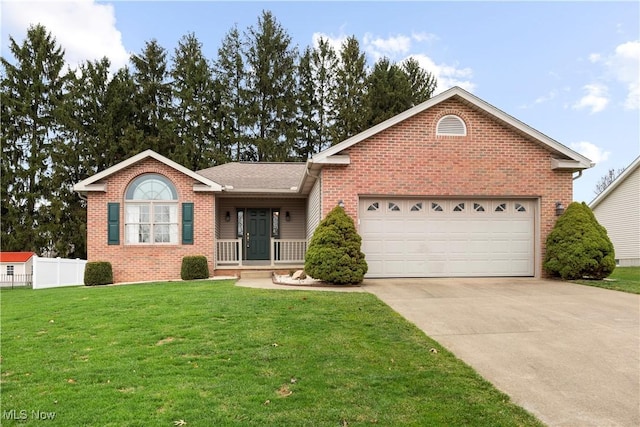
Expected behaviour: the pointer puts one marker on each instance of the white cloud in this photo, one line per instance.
(625, 66)
(390, 47)
(424, 37)
(590, 151)
(447, 75)
(398, 49)
(86, 30)
(596, 99)
(595, 57)
(546, 98)
(334, 41)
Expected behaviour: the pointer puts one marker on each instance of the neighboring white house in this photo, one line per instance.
(617, 208)
(16, 268)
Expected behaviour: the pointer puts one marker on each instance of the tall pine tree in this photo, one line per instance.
(78, 152)
(231, 80)
(194, 107)
(349, 105)
(422, 83)
(154, 98)
(389, 92)
(271, 86)
(31, 94)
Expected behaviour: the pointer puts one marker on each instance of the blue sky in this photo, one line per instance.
(569, 69)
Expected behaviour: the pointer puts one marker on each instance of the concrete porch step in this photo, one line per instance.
(256, 274)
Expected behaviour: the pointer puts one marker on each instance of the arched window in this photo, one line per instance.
(451, 125)
(151, 211)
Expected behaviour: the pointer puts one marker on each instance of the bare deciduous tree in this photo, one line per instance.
(606, 180)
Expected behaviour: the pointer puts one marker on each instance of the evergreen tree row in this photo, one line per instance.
(259, 100)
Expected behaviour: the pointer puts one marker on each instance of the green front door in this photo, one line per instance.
(257, 237)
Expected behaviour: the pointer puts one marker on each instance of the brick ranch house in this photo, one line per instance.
(451, 187)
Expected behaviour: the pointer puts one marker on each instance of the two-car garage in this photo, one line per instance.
(430, 237)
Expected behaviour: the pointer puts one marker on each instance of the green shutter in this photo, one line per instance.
(187, 223)
(113, 221)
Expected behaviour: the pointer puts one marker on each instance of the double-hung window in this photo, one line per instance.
(151, 211)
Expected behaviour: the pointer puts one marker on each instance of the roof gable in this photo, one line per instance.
(91, 183)
(570, 160)
(628, 172)
(15, 256)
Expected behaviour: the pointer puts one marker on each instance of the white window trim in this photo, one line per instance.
(133, 224)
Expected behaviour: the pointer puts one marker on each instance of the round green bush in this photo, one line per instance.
(98, 273)
(578, 246)
(334, 254)
(194, 267)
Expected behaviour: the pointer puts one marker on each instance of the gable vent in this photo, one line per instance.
(451, 125)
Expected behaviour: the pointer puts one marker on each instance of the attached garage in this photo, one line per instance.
(448, 237)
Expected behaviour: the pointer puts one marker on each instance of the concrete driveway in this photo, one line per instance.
(567, 353)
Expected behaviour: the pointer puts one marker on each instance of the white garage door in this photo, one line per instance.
(447, 238)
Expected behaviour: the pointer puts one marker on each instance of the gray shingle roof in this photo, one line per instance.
(258, 177)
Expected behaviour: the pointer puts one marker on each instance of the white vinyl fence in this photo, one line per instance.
(57, 272)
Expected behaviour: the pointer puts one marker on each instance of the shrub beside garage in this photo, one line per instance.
(334, 254)
(578, 246)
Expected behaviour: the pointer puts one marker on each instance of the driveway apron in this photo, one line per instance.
(569, 354)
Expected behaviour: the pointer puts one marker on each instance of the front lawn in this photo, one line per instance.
(626, 279)
(212, 354)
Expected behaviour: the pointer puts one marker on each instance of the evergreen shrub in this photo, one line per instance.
(578, 246)
(334, 254)
(194, 267)
(98, 273)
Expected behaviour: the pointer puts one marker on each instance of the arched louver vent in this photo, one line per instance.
(451, 125)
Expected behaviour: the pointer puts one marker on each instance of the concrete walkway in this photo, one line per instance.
(567, 353)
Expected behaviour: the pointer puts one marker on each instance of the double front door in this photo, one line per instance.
(257, 236)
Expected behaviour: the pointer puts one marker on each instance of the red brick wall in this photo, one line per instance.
(410, 160)
(133, 263)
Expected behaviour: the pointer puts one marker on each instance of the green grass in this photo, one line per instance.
(213, 354)
(626, 279)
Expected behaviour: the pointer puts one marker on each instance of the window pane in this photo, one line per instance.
(161, 213)
(275, 224)
(240, 223)
(144, 233)
(161, 233)
(144, 214)
(151, 187)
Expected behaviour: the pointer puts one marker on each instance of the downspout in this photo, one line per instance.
(578, 176)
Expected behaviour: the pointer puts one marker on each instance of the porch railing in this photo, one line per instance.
(283, 251)
(288, 251)
(229, 252)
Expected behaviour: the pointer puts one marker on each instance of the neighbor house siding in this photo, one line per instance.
(134, 263)
(619, 213)
(408, 159)
(19, 268)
